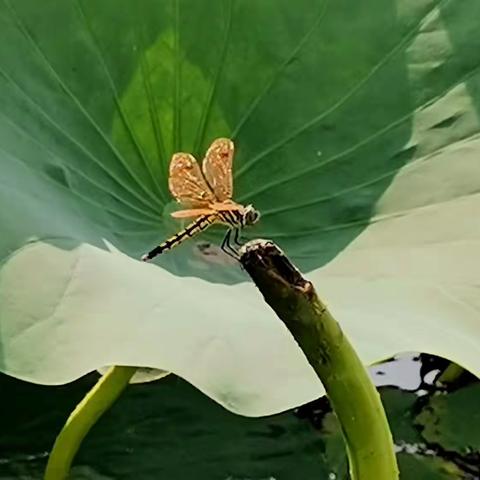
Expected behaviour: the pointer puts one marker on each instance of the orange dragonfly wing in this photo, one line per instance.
(186, 182)
(192, 213)
(227, 205)
(217, 168)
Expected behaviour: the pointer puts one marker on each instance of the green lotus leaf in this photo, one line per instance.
(357, 136)
(415, 459)
(452, 420)
(428, 468)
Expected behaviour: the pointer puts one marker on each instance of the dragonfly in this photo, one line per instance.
(206, 195)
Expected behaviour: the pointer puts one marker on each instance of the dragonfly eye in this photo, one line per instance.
(251, 215)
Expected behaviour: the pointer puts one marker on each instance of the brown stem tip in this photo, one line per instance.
(264, 258)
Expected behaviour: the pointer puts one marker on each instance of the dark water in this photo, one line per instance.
(169, 430)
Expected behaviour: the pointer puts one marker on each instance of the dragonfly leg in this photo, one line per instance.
(227, 247)
(236, 237)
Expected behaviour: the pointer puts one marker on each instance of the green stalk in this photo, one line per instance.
(88, 411)
(349, 388)
(450, 375)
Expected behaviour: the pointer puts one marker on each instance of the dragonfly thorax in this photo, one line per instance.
(240, 218)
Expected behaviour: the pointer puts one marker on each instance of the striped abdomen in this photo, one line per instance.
(199, 225)
(232, 218)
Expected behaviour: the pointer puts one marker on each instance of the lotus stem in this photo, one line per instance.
(98, 400)
(352, 395)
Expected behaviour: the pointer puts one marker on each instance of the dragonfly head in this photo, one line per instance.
(251, 215)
